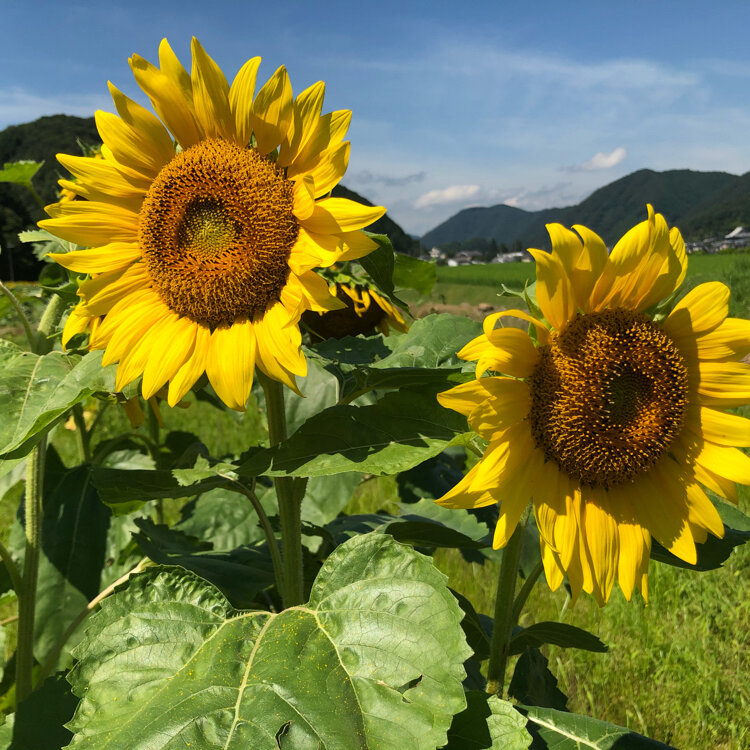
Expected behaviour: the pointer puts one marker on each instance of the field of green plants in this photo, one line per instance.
(677, 668)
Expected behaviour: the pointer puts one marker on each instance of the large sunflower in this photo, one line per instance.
(611, 417)
(202, 253)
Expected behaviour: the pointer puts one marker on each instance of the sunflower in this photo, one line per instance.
(366, 311)
(611, 417)
(202, 252)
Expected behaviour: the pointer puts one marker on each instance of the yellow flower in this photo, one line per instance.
(365, 312)
(611, 420)
(203, 254)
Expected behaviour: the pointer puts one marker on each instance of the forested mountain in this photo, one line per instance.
(40, 141)
(702, 204)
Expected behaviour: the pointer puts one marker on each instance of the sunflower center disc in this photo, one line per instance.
(608, 397)
(216, 230)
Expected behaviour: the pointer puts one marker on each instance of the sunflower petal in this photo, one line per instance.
(230, 364)
(211, 96)
(272, 112)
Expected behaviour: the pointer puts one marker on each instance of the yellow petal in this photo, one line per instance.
(241, 94)
(230, 365)
(506, 402)
(112, 257)
(588, 267)
(170, 92)
(729, 340)
(329, 170)
(632, 552)
(701, 511)
(192, 369)
(126, 323)
(304, 198)
(104, 177)
(730, 463)
(102, 292)
(211, 96)
(721, 427)
(175, 341)
(280, 340)
(272, 112)
(154, 139)
(466, 397)
(329, 132)
(507, 350)
(91, 224)
(333, 215)
(307, 107)
(542, 331)
(602, 540)
(702, 309)
(355, 245)
(724, 384)
(134, 361)
(553, 290)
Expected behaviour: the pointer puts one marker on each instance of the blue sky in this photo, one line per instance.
(455, 104)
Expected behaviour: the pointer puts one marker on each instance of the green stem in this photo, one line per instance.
(30, 334)
(523, 594)
(503, 625)
(278, 568)
(290, 502)
(27, 594)
(54, 655)
(83, 433)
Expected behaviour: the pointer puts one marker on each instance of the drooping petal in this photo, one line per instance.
(230, 364)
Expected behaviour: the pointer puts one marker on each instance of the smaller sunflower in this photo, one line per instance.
(366, 312)
(612, 419)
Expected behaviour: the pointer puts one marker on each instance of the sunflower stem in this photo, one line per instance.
(504, 612)
(289, 498)
(27, 593)
(51, 317)
(82, 433)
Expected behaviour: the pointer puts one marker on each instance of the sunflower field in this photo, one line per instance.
(234, 469)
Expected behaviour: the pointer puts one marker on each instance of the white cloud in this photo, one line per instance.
(605, 161)
(452, 194)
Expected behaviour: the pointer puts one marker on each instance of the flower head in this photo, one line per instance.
(202, 254)
(612, 417)
(365, 312)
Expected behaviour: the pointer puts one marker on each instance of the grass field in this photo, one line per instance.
(677, 669)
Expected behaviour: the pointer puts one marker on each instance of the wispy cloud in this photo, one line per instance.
(368, 178)
(452, 194)
(601, 160)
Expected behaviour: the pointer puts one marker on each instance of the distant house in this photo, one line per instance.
(520, 257)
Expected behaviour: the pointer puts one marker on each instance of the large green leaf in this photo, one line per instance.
(374, 660)
(36, 390)
(487, 723)
(380, 265)
(560, 730)
(399, 431)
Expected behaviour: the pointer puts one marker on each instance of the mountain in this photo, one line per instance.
(701, 203)
(41, 140)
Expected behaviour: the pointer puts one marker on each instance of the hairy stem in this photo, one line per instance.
(27, 592)
(288, 495)
(504, 610)
(82, 433)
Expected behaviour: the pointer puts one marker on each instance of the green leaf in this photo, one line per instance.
(40, 719)
(327, 496)
(560, 730)
(711, 553)
(413, 273)
(533, 684)
(37, 390)
(239, 573)
(424, 356)
(373, 660)
(125, 490)
(20, 172)
(476, 635)
(396, 433)
(487, 723)
(558, 633)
